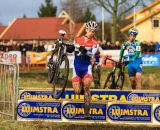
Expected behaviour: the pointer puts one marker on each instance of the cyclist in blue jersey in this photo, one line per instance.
(133, 59)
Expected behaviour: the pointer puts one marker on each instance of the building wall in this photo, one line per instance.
(146, 30)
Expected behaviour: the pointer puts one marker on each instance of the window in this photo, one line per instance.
(155, 23)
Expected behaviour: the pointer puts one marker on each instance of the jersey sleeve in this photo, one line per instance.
(122, 50)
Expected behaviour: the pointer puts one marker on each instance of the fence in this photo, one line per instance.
(9, 74)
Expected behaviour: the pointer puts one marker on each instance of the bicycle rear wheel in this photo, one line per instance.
(96, 77)
(110, 83)
(60, 77)
(120, 81)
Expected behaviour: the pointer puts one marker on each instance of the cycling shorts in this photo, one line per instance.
(81, 73)
(134, 67)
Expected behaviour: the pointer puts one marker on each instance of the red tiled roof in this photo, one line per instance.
(34, 28)
(2, 28)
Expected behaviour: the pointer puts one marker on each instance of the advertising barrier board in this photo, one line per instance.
(32, 110)
(96, 95)
(74, 111)
(129, 112)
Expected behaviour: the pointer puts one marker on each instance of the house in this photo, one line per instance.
(45, 28)
(147, 21)
(2, 28)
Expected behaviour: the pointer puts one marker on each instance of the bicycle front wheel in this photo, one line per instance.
(60, 77)
(109, 83)
(51, 71)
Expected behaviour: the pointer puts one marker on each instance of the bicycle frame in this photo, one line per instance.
(60, 48)
(121, 68)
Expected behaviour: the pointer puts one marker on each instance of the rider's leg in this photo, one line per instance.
(138, 77)
(132, 73)
(99, 76)
(87, 80)
(133, 82)
(76, 84)
(76, 81)
(138, 81)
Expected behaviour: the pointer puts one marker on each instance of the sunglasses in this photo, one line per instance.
(134, 35)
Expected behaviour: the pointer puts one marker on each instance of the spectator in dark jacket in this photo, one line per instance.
(41, 47)
(23, 49)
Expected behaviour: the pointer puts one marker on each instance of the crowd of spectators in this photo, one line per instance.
(35, 46)
(46, 46)
(110, 46)
(150, 47)
(147, 47)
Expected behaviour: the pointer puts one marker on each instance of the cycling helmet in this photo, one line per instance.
(133, 31)
(92, 25)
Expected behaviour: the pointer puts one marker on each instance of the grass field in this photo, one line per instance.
(38, 78)
(36, 125)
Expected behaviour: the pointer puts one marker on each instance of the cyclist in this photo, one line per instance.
(82, 70)
(133, 59)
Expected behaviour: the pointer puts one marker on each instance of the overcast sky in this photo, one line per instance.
(10, 9)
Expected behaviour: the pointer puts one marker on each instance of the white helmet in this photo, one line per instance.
(92, 25)
(133, 30)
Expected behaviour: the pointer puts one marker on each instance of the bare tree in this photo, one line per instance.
(77, 8)
(73, 8)
(117, 9)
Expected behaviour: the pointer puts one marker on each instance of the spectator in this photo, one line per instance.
(29, 45)
(103, 45)
(51, 46)
(157, 47)
(15, 46)
(151, 47)
(1, 46)
(8, 46)
(108, 46)
(117, 45)
(35, 47)
(46, 46)
(41, 47)
(144, 47)
(23, 49)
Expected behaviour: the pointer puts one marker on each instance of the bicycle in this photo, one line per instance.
(96, 72)
(59, 67)
(113, 81)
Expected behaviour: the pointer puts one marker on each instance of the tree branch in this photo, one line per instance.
(129, 8)
(101, 3)
(122, 2)
(109, 4)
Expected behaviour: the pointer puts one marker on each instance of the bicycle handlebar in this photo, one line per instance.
(117, 62)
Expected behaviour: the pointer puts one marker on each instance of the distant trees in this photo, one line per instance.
(87, 16)
(47, 9)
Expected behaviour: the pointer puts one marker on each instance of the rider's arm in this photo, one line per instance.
(122, 51)
(138, 51)
(70, 48)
